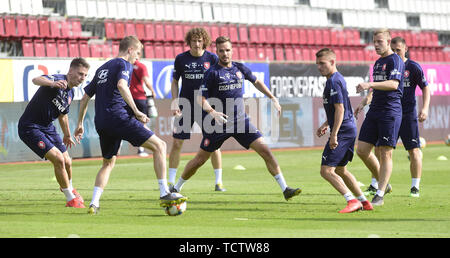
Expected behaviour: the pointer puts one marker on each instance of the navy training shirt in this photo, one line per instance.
(388, 68)
(110, 107)
(335, 92)
(225, 83)
(413, 77)
(191, 70)
(47, 104)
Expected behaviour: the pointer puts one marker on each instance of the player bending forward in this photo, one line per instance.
(117, 118)
(222, 83)
(36, 130)
(340, 147)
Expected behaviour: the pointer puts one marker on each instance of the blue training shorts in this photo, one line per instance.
(380, 129)
(409, 131)
(41, 139)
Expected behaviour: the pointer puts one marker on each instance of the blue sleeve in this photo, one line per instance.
(420, 77)
(248, 75)
(396, 69)
(336, 93)
(177, 70)
(206, 83)
(124, 72)
(91, 88)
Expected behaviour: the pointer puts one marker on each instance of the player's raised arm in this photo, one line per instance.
(45, 81)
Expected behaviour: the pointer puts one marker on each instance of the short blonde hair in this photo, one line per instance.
(385, 32)
(326, 52)
(129, 41)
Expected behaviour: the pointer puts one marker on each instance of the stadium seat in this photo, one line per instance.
(307, 54)
(39, 48)
(130, 29)
(169, 32)
(168, 51)
(74, 50)
(178, 33)
(120, 29)
(84, 49)
(233, 33)
(96, 50)
(289, 52)
(177, 48)
(65, 29)
(297, 54)
(326, 37)
(440, 56)
(243, 34)
(106, 50)
(243, 52)
(27, 48)
(251, 53)
(302, 36)
(270, 35)
(279, 53)
(22, 26)
(345, 54)
(159, 32)
(110, 29)
(158, 50)
(44, 27)
(2, 27)
(149, 31)
(223, 31)
(260, 52)
(263, 35)
(54, 29)
(63, 51)
(76, 28)
(253, 33)
(295, 37)
(51, 49)
(269, 53)
(278, 35)
(434, 38)
(334, 37)
(318, 37)
(215, 31)
(310, 36)
(186, 28)
(10, 26)
(148, 50)
(286, 35)
(338, 53)
(115, 49)
(140, 31)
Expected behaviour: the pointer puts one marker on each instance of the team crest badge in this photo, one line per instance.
(41, 145)
(206, 142)
(384, 67)
(239, 74)
(406, 74)
(69, 100)
(206, 65)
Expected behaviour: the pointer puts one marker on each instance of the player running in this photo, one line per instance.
(340, 147)
(409, 129)
(52, 101)
(382, 123)
(190, 67)
(223, 85)
(117, 118)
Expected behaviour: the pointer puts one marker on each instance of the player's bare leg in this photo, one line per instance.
(191, 168)
(415, 156)
(274, 169)
(174, 158)
(101, 180)
(364, 151)
(216, 162)
(384, 174)
(55, 156)
(352, 184)
(68, 166)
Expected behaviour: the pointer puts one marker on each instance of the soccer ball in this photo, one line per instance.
(423, 143)
(447, 140)
(175, 209)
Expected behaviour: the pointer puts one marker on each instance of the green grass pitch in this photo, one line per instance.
(253, 207)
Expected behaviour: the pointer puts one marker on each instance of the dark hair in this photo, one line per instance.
(128, 42)
(198, 32)
(222, 39)
(79, 61)
(397, 40)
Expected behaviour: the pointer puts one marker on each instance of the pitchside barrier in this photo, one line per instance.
(298, 86)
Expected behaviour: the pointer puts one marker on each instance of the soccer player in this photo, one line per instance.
(117, 118)
(409, 129)
(382, 122)
(339, 149)
(190, 66)
(52, 101)
(223, 86)
(138, 80)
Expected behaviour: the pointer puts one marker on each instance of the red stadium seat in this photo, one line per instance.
(349, 38)
(76, 28)
(326, 37)
(269, 53)
(306, 54)
(278, 35)
(440, 55)
(310, 39)
(96, 50)
(338, 53)
(297, 54)
(10, 26)
(149, 52)
(233, 33)
(334, 37)
(318, 37)
(224, 31)
(345, 55)
(54, 29)
(270, 35)
(302, 36)
(263, 35)
(279, 53)
(74, 50)
(289, 51)
(178, 48)
(168, 51)
(447, 56)
(106, 50)
(286, 36)
(115, 49)
(130, 29)
(120, 29)
(253, 31)
(243, 34)
(63, 51)
(169, 32)
(186, 28)
(51, 49)
(295, 37)
(251, 53)
(22, 26)
(65, 29)
(140, 31)
(27, 48)
(158, 50)
(434, 39)
(84, 49)
(260, 52)
(2, 27)
(149, 31)
(44, 28)
(215, 32)
(341, 37)
(110, 29)
(39, 48)
(243, 52)
(178, 33)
